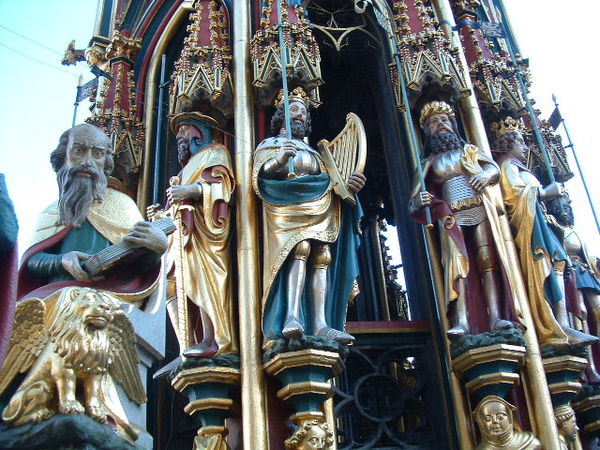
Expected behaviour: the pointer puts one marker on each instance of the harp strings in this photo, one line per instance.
(344, 152)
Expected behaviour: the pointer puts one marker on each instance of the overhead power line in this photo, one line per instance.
(37, 60)
(31, 40)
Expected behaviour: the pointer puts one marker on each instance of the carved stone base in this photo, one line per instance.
(563, 374)
(210, 390)
(491, 370)
(305, 377)
(587, 408)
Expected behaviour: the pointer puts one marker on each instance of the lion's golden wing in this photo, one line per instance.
(125, 358)
(27, 342)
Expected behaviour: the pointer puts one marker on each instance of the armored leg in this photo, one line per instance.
(322, 259)
(461, 318)
(562, 317)
(296, 278)
(487, 264)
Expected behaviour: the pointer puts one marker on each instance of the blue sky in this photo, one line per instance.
(37, 100)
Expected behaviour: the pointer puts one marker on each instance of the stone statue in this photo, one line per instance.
(311, 435)
(78, 339)
(456, 176)
(69, 331)
(567, 426)
(495, 419)
(583, 270)
(310, 235)
(206, 185)
(543, 258)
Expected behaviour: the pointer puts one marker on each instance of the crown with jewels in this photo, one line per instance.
(297, 94)
(507, 125)
(435, 107)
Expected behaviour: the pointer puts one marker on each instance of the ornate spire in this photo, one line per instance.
(202, 79)
(303, 57)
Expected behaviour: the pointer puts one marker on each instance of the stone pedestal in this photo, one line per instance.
(211, 391)
(490, 370)
(588, 414)
(563, 374)
(305, 376)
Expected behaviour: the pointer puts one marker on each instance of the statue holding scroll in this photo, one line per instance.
(69, 319)
(199, 268)
(457, 175)
(310, 235)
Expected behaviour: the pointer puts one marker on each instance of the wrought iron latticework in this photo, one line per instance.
(386, 398)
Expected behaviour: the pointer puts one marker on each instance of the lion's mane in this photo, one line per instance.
(82, 347)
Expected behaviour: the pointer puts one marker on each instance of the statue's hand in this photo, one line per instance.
(148, 235)
(176, 194)
(420, 202)
(288, 150)
(553, 190)
(153, 210)
(356, 182)
(71, 262)
(480, 181)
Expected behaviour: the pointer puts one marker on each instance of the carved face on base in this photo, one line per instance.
(495, 421)
(315, 439)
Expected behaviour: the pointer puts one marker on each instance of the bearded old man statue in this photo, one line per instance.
(310, 237)
(542, 256)
(70, 334)
(457, 175)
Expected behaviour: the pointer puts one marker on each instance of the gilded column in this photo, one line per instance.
(253, 383)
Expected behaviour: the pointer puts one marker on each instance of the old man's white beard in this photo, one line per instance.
(77, 192)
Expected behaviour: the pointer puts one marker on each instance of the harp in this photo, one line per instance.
(345, 155)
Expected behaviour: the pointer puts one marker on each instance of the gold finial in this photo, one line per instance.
(435, 107)
(297, 94)
(507, 125)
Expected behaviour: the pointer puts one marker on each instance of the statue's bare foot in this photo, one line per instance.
(71, 407)
(292, 328)
(96, 412)
(579, 338)
(340, 336)
(457, 331)
(40, 415)
(203, 349)
(501, 324)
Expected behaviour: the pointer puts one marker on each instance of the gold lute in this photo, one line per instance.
(345, 155)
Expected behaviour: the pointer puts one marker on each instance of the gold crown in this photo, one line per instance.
(507, 125)
(435, 107)
(297, 94)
